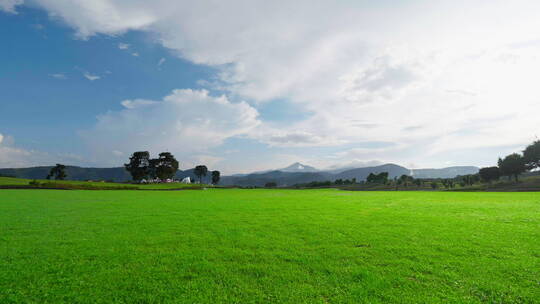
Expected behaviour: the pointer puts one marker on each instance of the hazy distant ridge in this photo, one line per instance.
(294, 174)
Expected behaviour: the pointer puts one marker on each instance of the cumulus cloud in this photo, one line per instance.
(186, 122)
(344, 63)
(9, 5)
(91, 77)
(13, 156)
(58, 76)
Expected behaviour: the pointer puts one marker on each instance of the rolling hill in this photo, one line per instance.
(296, 173)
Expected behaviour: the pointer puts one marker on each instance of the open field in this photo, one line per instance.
(69, 184)
(278, 246)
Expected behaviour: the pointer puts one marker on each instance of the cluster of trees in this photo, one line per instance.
(345, 181)
(381, 178)
(328, 183)
(514, 164)
(403, 180)
(141, 166)
(57, 172)
(201, 171)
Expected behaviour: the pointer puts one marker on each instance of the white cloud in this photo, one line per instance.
(187, 123)
(91, 77)
(135, 54)
(58, 76)
(132, 104)
(13, 156)
(426, 79)
(161, 61)
(9, 5)
(123, 46)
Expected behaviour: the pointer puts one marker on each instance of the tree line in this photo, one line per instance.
(141, 167)
(514, 164)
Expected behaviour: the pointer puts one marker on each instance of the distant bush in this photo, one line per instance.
(34, 183)
(270, 185)
(75, 186)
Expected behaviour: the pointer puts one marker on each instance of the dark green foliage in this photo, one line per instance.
(512, 165)
(434, 185)
(200, 171)
(531, 155)
(381, 178)
(447, 183)
(216, 175)
(165, 165)
(345, 181)
(469, 179)
(57, 172)
(139, 165)
(405, 180)
(318, 184)
(489, 174)
(270, 185)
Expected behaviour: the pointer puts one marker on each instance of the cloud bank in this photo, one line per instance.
(186, 122)
(364, 70)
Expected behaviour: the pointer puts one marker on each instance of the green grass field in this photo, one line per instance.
(21, 182)
(268, 246)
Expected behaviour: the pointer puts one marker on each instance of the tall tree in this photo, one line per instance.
(139, 165)
(152, 168)
(165, 165)
(58, 172)
(490, 174)
(512, 165)
(531, 155)
(405, 179)
(216, 175)
(200, 172)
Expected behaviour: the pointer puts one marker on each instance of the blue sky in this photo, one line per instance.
(253, 86)
(45, 96)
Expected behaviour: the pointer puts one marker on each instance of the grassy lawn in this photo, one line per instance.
(9, 181)
(268, 246)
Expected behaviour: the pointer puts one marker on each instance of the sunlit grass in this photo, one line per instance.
(8, 181)
(268, 246)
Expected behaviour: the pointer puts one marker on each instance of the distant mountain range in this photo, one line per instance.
(296, 173)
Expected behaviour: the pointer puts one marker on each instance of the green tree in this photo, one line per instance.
(489, 174)
(200, 171)
(165, 165)
(139, 165)
(58, 172)
(381, 178)
(531, 155)
(270, 185)
(405, 180)
(216, 175)
(512, 165)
